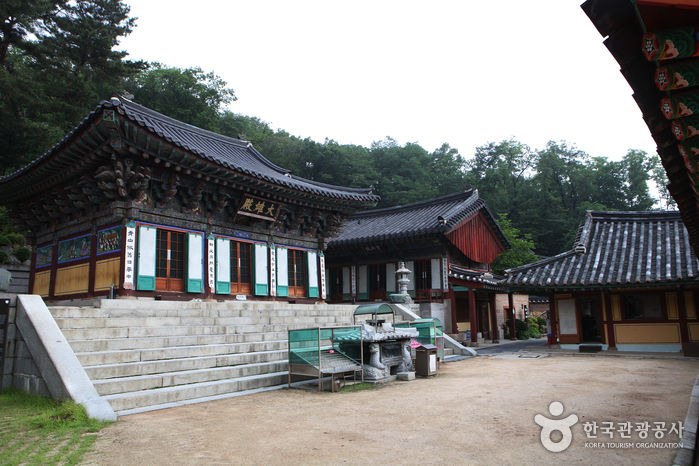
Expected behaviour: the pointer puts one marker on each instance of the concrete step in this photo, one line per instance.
(151, 381)
(108, 371)
(146, 354)
(177, 352)
(204, 399)
(127, 401)
(117, 344)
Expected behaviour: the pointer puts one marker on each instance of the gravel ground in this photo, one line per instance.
(479, 410)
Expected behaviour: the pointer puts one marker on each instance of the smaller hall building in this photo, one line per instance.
(447, 243)
(629, 283)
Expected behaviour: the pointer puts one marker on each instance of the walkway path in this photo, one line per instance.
(475, 411)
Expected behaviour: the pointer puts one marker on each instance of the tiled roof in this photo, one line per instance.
(462, 273)
(411, 221)
(616, 249)
(234, 154)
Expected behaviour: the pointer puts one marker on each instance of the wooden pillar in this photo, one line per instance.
(511, 303)
(495, 331)
(553, 319)
(682, 313)
(610, 320)
(473, 314)
(451, 295)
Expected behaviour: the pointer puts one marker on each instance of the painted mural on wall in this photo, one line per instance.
(109, 240)
(44, 256)
(74, 249)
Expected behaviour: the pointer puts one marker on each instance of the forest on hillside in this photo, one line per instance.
(57, 62)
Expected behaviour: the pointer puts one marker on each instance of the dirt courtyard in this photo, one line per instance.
(475, 411)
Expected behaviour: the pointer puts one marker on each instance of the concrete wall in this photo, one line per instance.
(441, 311)
(501, 302)
(20, 371)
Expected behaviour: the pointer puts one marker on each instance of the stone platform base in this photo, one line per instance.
(390, 378)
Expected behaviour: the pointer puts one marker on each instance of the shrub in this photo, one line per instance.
(534, 330)
(24, 253)
(16, 238)
(4, 257)
(522, 329)
(5, 240)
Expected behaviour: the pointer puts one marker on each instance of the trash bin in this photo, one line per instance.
(426, 360)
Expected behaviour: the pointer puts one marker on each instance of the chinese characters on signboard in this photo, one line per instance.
(129, 257)
(259, 208)
(212, 262)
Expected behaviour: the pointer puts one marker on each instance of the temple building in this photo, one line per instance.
(447, 243)
(135, 204)
(629, 283)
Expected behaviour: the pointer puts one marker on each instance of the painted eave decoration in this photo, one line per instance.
(122, 127)
(616, 249)
(463, 218)
(656, 43)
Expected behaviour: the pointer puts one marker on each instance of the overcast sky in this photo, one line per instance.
(463, 72)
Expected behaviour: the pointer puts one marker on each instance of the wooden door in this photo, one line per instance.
(170, 260)
(241, 268)
(483, 320)
(297, 273)
(377, 281)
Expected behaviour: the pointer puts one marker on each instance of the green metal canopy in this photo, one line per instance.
(376, 308)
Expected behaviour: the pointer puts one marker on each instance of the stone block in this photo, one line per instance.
(407, 376)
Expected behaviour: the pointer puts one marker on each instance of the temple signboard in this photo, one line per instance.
(259, 208)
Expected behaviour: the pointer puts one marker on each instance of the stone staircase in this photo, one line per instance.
(143, 355)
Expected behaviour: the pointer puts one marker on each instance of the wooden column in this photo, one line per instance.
(495, 333)
(473, 314)
(682, 313)
(451, 295)
(609, 321)
(553, 318)
(511, 303)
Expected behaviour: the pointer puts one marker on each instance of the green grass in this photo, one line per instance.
(359, 386)
(43, 431)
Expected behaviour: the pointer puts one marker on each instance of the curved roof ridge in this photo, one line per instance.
(138, 108)
(548, 260)
(331, 186)
(418, 205)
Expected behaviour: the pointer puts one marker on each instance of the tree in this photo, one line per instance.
(448, 170)
(502, 172)
(519, 254)
(659, 177)
(189, 95)
(405, 174)
(57, 60)
(637, 166)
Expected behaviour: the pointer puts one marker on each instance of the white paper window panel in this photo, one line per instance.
(566, 317)
(391, 277)
(362, 279)
(195, 257)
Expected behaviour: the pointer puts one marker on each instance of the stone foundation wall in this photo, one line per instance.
(20, 371)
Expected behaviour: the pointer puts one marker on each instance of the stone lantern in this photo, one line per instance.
(403, 280)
